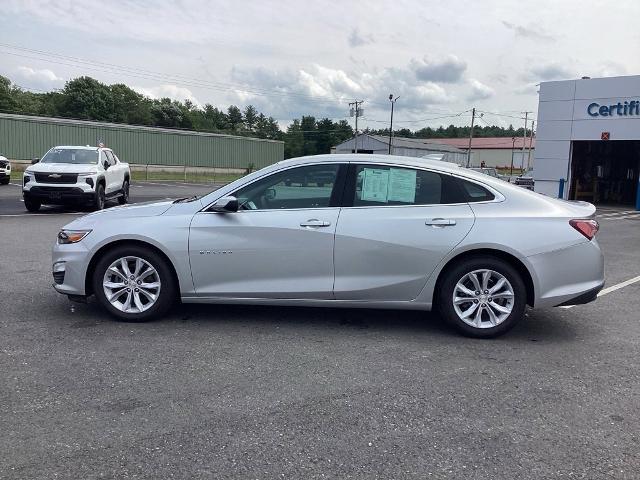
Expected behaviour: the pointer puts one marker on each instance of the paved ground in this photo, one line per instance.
(237, 392)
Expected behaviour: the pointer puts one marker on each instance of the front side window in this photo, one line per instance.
(70, 155)
(110, 158)
(302, 187)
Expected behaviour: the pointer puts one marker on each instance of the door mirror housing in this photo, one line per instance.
(34, 161)
(106, 165)
(225, 205)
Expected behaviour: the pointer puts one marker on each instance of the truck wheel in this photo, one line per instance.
(124, 198)
(32, 205)
(99, 198)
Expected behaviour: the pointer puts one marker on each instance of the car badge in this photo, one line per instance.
(55, 175)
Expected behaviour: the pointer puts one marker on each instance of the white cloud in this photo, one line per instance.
(173, 92)
(533, 32)
(449, 69)
(38, 80)
(357, 39)
(479, 91)
(542, 72)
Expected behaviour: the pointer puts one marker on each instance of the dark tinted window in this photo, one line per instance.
(475, 192)
(302, 187)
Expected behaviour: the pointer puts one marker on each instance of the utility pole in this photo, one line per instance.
(393, 102)
(524, 136)
(473, 119)
(357, 112)
(533, 123)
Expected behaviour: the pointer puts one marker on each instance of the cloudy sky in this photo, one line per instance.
(290, 58)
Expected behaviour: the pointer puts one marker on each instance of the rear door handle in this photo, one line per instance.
(440, 222)
(315, 223)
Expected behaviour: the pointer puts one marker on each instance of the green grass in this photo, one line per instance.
(200, 177)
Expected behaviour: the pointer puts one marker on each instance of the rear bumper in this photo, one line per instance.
(586, 297)
(58, 195)
(572, 274)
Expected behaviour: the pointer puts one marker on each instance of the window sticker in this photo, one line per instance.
(375, 185)
(402, 185)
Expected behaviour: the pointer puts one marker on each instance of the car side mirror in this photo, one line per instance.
(225, 205)
(106, 165)
(34, 161)
(270, 194)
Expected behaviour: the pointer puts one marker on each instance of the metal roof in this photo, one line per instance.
(489, 143)
(415, 143)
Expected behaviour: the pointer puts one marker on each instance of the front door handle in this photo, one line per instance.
(315, 223)
(440, 222)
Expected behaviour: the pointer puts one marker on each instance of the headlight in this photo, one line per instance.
(86, 174)
(72, 236)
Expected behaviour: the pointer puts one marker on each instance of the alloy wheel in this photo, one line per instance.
(131, 284)
(483, 298)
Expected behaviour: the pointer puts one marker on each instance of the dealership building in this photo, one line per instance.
(588, 140)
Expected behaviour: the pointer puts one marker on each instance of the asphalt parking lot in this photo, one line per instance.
(239, 392)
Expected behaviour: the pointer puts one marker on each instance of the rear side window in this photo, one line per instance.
(379, 185)
(475, 192)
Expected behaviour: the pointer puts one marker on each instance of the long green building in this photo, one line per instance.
(25, 137)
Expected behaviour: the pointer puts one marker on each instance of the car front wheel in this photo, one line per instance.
(32, 205)
(124, 197)
(99, 197)
(482, 297)
(134, 284)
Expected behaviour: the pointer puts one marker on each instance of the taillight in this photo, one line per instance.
(588, 228)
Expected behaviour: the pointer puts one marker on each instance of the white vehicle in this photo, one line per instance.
(5, 170)
(67, 175)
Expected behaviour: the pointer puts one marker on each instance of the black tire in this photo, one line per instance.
(168, 288)
(32, 205)
(5, 181)
(456, 272)
(99, 199)
(124, 198)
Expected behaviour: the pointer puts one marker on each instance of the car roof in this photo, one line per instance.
(80, 147)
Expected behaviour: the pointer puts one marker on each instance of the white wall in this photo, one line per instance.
(563, 117)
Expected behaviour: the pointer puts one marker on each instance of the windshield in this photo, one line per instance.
(71, 155)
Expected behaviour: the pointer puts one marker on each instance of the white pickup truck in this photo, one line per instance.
(68, 174)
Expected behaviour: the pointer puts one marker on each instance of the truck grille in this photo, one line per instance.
(68, 178)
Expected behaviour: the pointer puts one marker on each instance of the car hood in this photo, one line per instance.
(62, 168)
(150, 209)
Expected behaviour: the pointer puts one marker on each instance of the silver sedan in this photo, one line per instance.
(372, 231)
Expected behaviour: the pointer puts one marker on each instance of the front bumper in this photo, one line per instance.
(69, 265)
(572, 274)
(58, 195)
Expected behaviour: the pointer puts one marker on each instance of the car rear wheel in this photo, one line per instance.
(124, 198)
(32, 205)
(482, 296)
(134, 284)
(99, 197)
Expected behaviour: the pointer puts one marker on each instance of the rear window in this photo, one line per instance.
(475, 192)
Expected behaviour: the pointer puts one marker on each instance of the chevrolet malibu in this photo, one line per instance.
(368, 231)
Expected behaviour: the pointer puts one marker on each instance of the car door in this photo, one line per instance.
(114, 175)
(280, 242)
(396, 226)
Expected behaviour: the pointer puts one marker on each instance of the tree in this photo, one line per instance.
(88, 99)
(129, 106)
(250, 117)
(7, 95)
(234, 118)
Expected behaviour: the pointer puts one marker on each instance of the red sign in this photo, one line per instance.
(605, 136)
